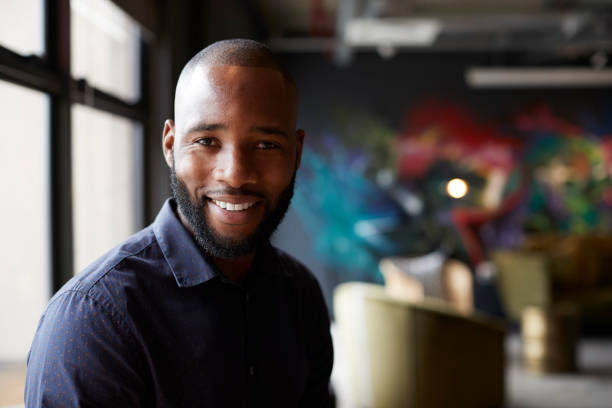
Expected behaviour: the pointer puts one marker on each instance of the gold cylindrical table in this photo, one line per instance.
(549, 338)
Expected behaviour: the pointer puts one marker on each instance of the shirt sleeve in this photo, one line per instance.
(321, 353)
(82, 356)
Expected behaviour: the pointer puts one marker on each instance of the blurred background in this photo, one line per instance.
(454, 199)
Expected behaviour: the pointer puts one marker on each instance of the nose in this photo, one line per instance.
(235, 168)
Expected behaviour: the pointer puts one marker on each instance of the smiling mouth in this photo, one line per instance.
(234, 206)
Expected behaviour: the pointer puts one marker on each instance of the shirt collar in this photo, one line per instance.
(183, 255)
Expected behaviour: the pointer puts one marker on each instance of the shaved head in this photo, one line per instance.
(241, 52)
(237, 52)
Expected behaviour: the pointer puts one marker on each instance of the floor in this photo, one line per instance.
(590, 387)
(12, 378)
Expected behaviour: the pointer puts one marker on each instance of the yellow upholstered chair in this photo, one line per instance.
(403, 354)
(552, 270)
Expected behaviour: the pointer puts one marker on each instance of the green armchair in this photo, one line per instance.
(552, 270)
(399, 353)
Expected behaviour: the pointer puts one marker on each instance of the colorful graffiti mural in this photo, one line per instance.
(367, 190)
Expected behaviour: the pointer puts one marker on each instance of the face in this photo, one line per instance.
(233, 152)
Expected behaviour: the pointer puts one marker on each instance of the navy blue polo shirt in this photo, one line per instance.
(154, 324)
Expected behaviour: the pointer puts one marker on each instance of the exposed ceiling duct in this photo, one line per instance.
(553, 27)
(522, 25)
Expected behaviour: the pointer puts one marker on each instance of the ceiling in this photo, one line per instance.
(562, 28)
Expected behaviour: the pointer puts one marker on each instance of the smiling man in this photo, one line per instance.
(199, 309)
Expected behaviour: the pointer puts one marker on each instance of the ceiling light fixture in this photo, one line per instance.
(391, 32)
(553, 77)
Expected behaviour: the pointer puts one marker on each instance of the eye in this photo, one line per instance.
(267, 145)
(208, 141)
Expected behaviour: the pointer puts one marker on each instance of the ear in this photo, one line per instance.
(168, 141)
(299, 144)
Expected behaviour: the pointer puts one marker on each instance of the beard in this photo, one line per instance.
(212, 242)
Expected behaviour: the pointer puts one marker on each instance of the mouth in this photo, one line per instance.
(238, 206)
(235, 210)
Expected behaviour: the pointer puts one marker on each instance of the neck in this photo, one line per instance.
(235, 269)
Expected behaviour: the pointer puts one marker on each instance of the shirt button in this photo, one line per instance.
(251, 370)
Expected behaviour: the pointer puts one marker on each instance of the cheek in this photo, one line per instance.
(193, 170)
(275, 175)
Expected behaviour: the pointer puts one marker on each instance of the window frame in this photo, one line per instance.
(51, 74)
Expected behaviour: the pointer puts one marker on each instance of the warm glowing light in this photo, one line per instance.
(457, 188)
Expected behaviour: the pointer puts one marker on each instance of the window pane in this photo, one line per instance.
(105, 47)
(104, 182)
(22, 26)
(24, 249)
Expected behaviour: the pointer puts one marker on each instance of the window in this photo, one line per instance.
(22, 26)
(67, 202)
(24, 249)
(105, 47)
(105, 52)
(104, 180)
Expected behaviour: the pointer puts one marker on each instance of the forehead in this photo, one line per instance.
(220, 92)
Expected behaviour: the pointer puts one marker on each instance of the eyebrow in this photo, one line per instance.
(270, 131)
(211, 127)
(205, 127)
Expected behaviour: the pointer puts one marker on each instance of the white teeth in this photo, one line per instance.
(233, 207)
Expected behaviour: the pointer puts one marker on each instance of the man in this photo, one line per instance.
(198, 309)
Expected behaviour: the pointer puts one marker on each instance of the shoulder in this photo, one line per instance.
(303, 282)
(93, 304)
(102, 284)
(84, 340)
(117, 258)
(291, 267)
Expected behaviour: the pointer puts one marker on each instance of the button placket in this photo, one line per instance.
(250, 341)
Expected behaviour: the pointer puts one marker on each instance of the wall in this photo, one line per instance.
(388, 90)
